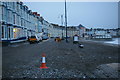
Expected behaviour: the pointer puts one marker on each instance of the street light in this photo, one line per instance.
(66, 20)
(62, 24)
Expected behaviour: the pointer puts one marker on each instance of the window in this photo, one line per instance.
(24, 23)
(2, 32)
(18, 8)
(17, 20)
(9, 33)
(2, 13)
(21, 22)
(13, 5)
(14, 18)
(15, 34)
(9, 16)
(5, 32)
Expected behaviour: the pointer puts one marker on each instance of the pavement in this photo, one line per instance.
(65, 60)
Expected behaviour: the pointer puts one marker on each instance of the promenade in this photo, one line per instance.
(65, 60)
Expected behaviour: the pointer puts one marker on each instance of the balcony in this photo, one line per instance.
(9, 24)
(2, 3)
(3, 22)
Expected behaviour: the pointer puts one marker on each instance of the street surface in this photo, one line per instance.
(65, 60)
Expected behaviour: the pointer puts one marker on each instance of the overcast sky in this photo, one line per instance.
(89, 14)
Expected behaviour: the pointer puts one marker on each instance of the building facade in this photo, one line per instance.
(17, 21)
(82, 30)
(60, 31)
(101, 32)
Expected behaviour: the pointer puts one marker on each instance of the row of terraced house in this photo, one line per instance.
(17, 22)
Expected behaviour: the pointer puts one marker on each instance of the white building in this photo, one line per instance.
(113, 32)
(17, 22)
(60, 31)
(82, 30)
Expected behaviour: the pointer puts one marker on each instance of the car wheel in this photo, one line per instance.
(30, 42)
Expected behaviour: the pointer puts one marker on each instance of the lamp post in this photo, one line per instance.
(62, 24)
(66, 20)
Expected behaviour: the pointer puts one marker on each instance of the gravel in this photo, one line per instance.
(65, 60)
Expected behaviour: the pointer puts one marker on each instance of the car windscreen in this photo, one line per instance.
(32, 37)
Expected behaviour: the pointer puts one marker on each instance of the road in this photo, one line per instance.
(65, 60)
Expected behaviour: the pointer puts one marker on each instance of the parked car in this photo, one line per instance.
(45, 37)
(39, 36)
(33, 39)
(58, 39)
(67, 37)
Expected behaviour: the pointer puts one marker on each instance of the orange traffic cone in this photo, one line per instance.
(43, 65)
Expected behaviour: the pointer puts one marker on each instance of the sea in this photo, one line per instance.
(114, 41)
